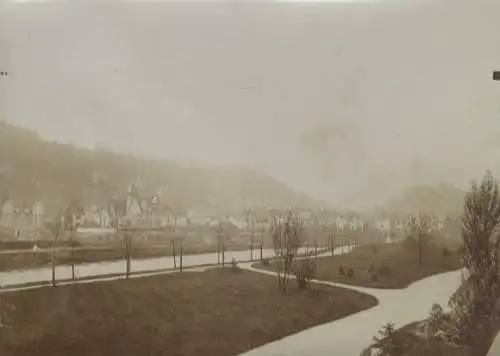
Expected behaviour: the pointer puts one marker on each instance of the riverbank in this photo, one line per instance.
(216, 312)
(387, 266)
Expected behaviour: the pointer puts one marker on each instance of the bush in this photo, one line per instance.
(375, 249)
(234, 266)
(393, 343)
(385, 270)
(341, 270)
(371, 269)
(435, 320)
(265, 262)
(446, 252)
(350, 272)
(304, 270)
(374, 277)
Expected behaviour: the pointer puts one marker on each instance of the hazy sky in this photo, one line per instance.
(346, 101)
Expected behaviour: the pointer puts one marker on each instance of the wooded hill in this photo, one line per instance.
(32, 168)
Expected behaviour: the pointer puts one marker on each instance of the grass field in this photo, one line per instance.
(384, 266)
(217, 312)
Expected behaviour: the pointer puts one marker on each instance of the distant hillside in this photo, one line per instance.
(442, 200)
(31, 168)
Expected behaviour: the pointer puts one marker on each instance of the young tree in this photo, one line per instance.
(481, 242)
(128, 244)
(419, 234)
(390, 342)
(287, 239)
(55, 228)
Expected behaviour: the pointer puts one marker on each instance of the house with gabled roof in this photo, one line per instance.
(144, 212)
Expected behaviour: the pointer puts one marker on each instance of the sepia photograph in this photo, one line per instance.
(250, 178)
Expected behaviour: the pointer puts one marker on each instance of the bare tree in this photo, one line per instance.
(55, 228)
(128, 244)
(171, 227)
(419, 234)
(287, 239)
(475, 305)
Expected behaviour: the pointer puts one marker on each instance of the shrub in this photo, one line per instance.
(304, 270)
(385, 270)
(341, 270)
(435, 320)
(265, 262)
(350, 272)
(375, 249)
(234, 266)
(392, 342)
(371, 269)
(374, 277)
(446, 252)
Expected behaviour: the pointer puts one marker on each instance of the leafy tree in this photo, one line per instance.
(474, 306)
(390, 342)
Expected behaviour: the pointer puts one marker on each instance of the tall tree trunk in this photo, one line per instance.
(174, 254)
(54, 244)
(420, 247)
(181, 255)
(72, 257)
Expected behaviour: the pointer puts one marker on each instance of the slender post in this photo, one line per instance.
(181, 255)
(218, 248)
(315, 249)
(342, 248)
(223, 250)
(420, 248)
(72, 256)
(332, 244)
(307, 248)
(53, 267)
(173, 253)
(261, 243)
(127, 253)
(251, 249)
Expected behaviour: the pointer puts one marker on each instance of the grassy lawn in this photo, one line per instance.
(217, 312)
(25, 260)
(30, 259)
(385, 266)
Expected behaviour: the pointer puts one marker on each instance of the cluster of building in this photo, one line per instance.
(151, 212)
(22, 218)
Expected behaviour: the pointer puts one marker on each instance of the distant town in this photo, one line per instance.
(23, 221)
